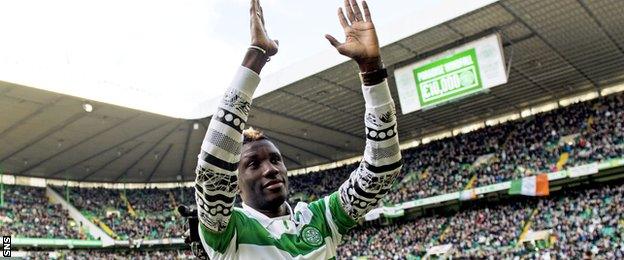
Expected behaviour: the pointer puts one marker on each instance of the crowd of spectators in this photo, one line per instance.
(481, 228)
(585, 222)
(405, 238)
(28, 213)
(589, 222)
(519, 148)
(153, 215)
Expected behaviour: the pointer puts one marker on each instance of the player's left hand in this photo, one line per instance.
(361, 42)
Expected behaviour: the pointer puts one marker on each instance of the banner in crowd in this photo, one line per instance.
(558, 175)
(430, 200)
(583, 170)
(47, 242)
(531, 186)
(612, 163)
(393, 212)
(389, 212)
(439, 250)
(451, 75)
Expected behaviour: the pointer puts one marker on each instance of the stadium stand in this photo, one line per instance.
(148, 213)
(589, 222)
(586, 221)
(520, 148)
(27, 213)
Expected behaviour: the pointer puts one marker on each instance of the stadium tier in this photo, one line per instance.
(131, 214)
(576, 134)
(583, 221)
(27, 213)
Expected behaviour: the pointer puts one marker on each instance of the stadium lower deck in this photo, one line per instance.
(586, 217)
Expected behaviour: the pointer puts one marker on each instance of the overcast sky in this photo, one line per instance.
(161, 55)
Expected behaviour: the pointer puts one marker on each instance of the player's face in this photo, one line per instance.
(263, 178)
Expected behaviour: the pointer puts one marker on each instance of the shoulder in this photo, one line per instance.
(239, 214)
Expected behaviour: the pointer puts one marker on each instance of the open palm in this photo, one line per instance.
(361, 43)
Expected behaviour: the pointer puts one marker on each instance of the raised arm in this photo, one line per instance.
(216, 172)
(382, 158)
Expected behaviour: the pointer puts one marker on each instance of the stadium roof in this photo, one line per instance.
(555, 49)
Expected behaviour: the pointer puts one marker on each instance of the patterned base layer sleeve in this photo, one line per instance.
(216, 173)
(382, 158)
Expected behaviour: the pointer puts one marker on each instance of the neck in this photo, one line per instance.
(278, 211)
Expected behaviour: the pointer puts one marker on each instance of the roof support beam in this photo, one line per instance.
(564, 58)
(593, 16)
(30, 116)
(265, 110)
(40, 137)
(302, 149)
(292, 160)
(106, 150)
(454, 30)
(337, 85)
(309, 140)
(189, 131)
(8, 87)
(318, 103)
(111, 161)
(79, 143)
(162, 158)
(125, 171)
(535, 83)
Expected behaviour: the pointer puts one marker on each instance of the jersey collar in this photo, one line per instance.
(263, 219)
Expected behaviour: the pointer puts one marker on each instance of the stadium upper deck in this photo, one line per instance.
(554, 49)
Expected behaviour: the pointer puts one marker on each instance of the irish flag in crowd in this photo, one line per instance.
(531, 186)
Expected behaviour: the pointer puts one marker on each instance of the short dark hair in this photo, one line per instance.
(252, 135)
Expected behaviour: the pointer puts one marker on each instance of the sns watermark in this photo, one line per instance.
(6, 246)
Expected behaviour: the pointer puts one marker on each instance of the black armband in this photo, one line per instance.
(374, 77)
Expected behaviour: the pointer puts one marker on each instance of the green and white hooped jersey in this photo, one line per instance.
(312, 231)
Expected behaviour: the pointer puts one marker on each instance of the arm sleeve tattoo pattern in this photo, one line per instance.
(382, 158)
(216, 172)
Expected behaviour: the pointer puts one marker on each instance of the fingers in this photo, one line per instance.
(366, 12)
(254, 8)
(256, 11)
(332, 40)
(356, 10)
(261, 11)
(349, 11)
(342, 19)
(276, 42)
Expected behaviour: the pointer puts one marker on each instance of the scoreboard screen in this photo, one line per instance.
(451, 75)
